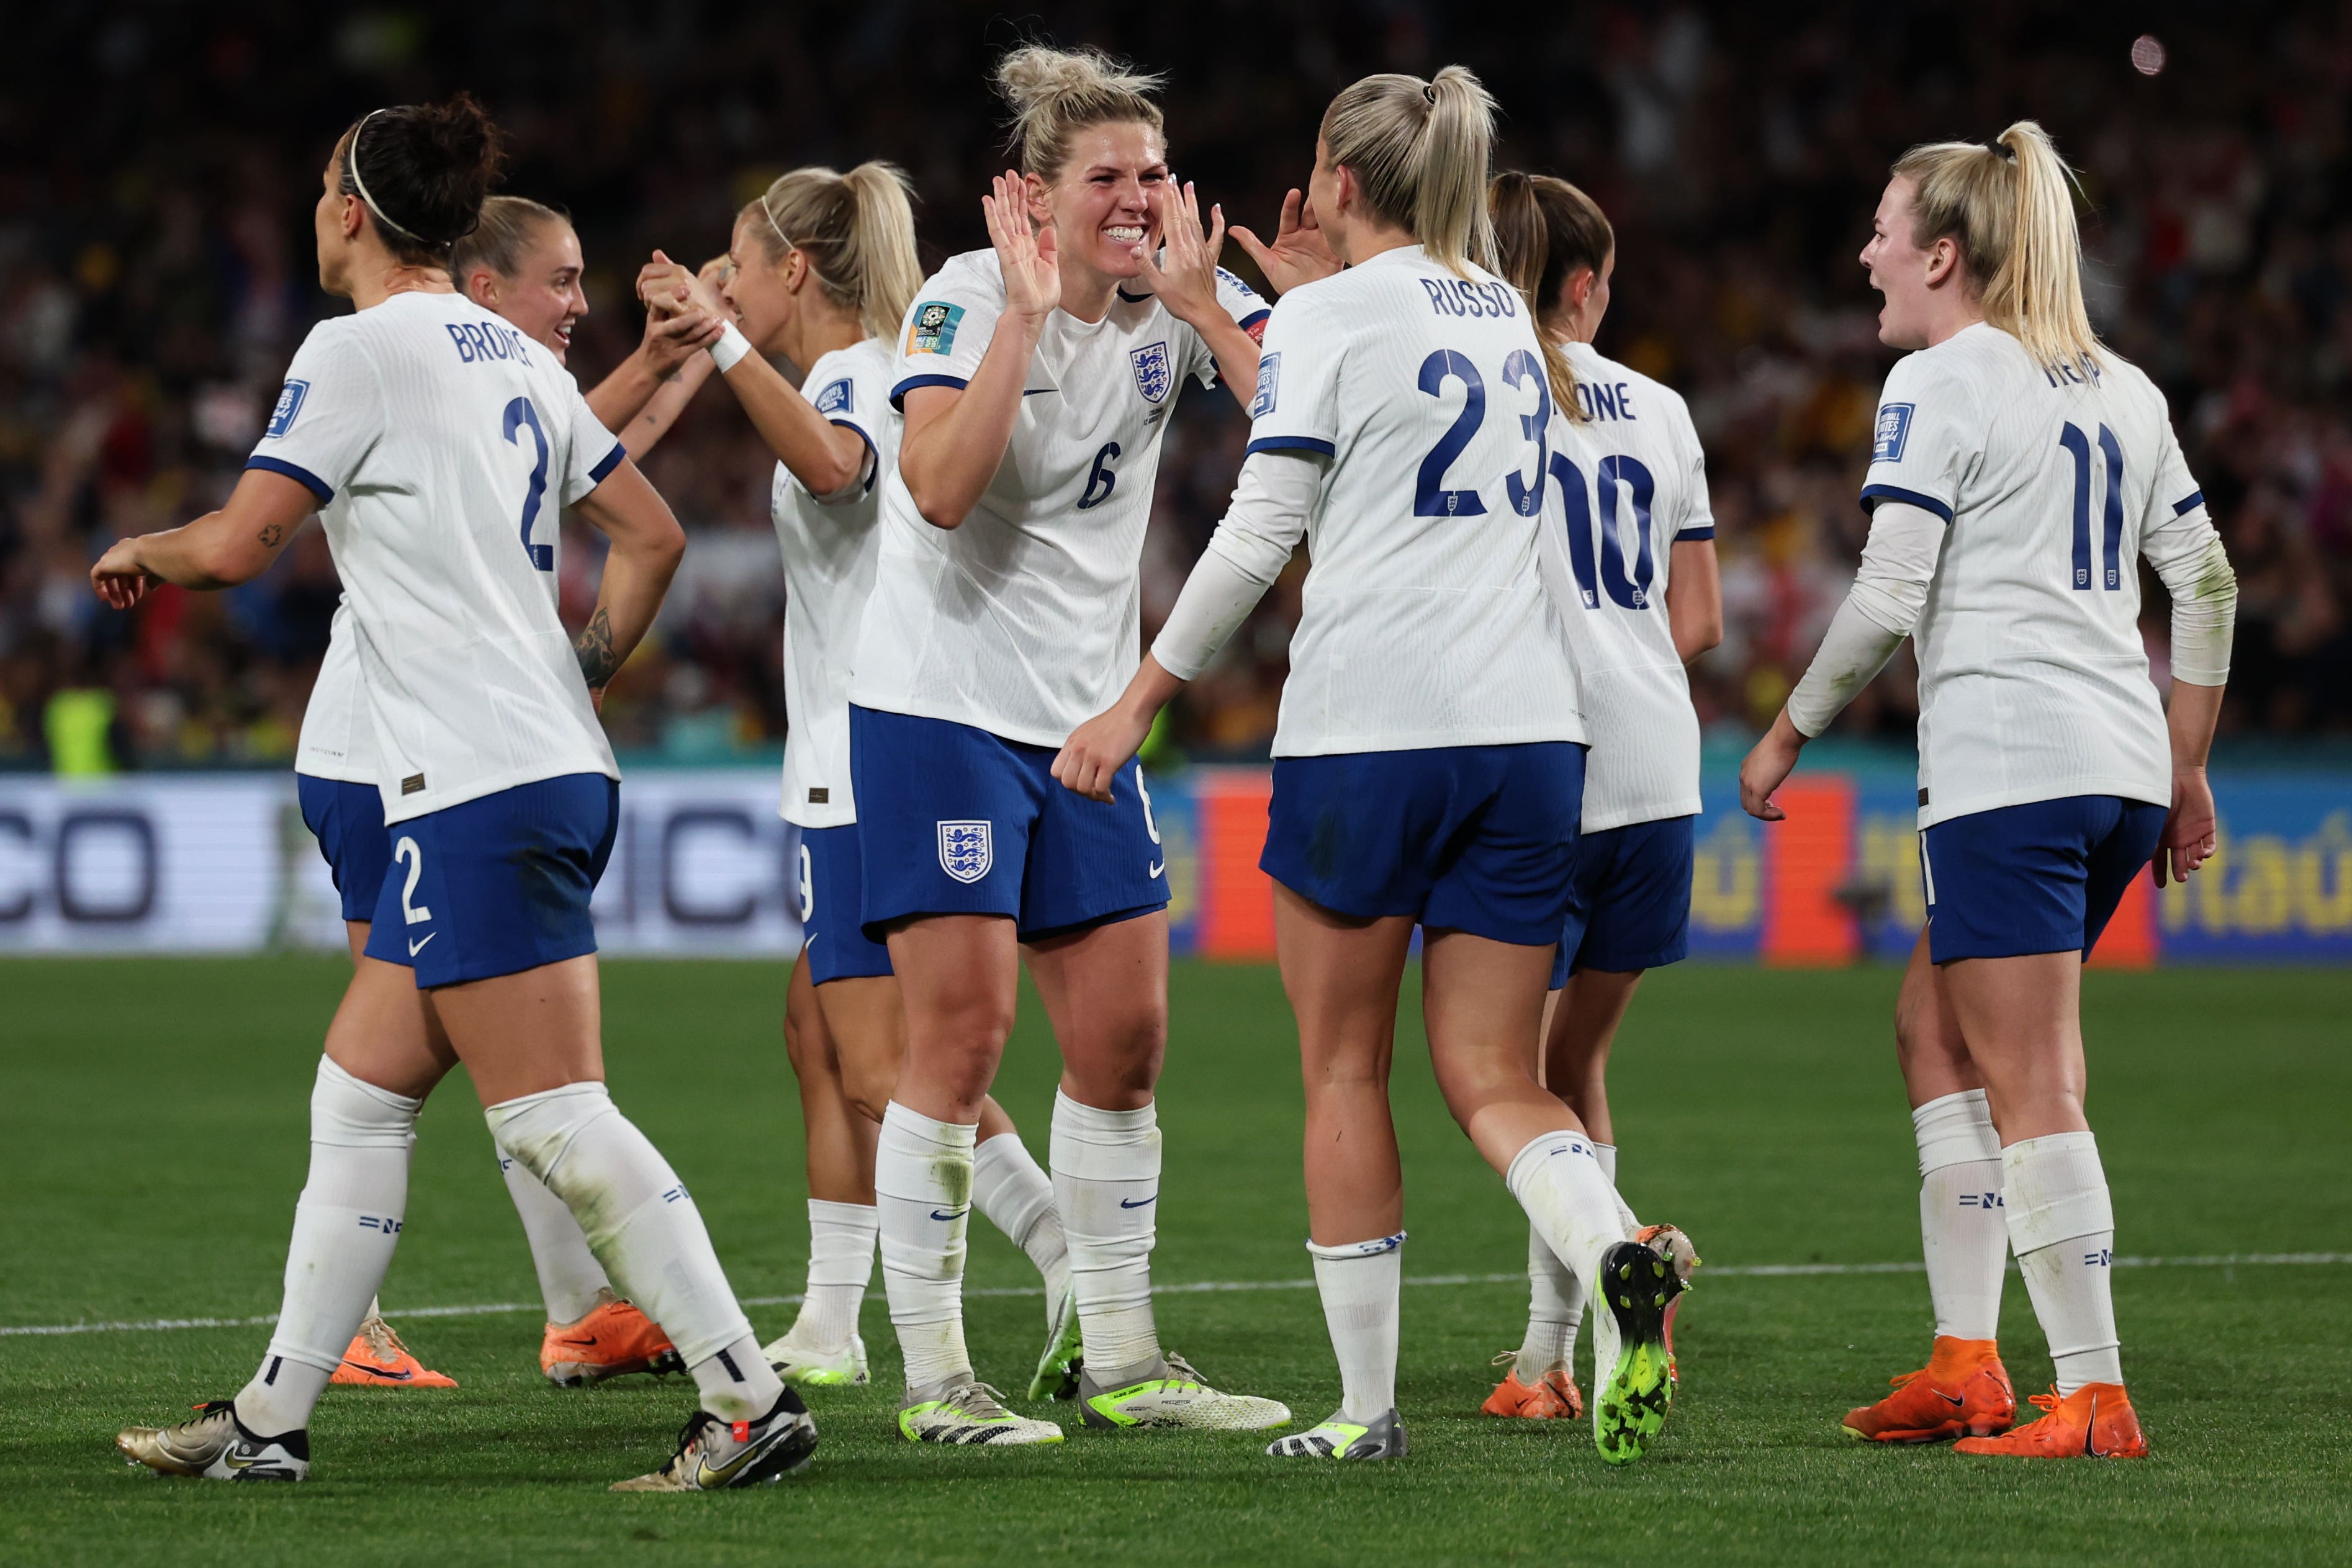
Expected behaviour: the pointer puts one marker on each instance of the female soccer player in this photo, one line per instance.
(1036, 379)
(2021, 471)
(1429, 760)
(1647, 601)
(822, 269)
(521, 260)
(432, 435)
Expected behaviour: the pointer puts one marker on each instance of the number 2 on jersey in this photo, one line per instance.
(519, 413)
(1430, 496)
(2079, 446)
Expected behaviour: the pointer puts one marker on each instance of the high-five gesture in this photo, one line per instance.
(1299, 253)
(1184, 276)
(1025, 249)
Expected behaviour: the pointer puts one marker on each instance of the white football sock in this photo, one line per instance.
(1013, 1193)
(2064, 1228)
(346, 1224)
(1558, 1180)
(1556, 1296)
(1359, 1283)
(569, 1275)
(643, 1228)
(1963, 1225)
(1106, 1185)
(922, 1190)
(841, 1263)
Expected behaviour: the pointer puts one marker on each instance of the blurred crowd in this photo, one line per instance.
(155, 275)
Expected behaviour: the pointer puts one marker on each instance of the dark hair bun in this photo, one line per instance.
(425, 169)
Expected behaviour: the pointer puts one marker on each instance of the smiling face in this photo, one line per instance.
(1905, 273)
(762, 292)
(543, 296)
(1104, 204)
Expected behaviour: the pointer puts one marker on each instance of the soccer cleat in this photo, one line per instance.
(1057, 1376)
(1171, 1394)
(965, 1412)
(1962, 1392)
(1684, 1256)
(1554, 1397)
(2095, 1421)
(217, 1446)
(377, 1359)
(714, 1455)
(815, 1366)
(612, 1339)
(1632, 1369)
(1341, 1439)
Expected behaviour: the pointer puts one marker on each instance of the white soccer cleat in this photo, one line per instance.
(1339, 1439)
(719, 1456)
(217, 1446)
(964, 1412)
(1173, 1395)
(806, 1365)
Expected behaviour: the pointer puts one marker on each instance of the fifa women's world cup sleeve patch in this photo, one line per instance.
(327, 415)
(1295, 409)
(933, 331)
(947, 329)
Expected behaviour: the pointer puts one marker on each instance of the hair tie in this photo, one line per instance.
(1429, 90)
(2001, 149)
(353, 166)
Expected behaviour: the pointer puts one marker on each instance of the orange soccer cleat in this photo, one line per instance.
(613, 1340)
(1554, 1397)
(1962, 1392)
(378, 1360)
(2095, 1421)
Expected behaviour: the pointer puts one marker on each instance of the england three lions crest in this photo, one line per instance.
(967, 849)
(1152, 376)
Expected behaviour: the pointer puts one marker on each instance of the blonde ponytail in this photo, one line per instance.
(1420, 151)
(1546, 231)
(2010, 206)
(857, 231)
(1056, 93)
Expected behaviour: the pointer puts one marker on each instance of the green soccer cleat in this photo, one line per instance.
(1633, 1369)
(719, 1456)
(966, 1412)
(217, 1446)
(1057, 1376)
(805, 1365)
(1169, 1392)
(1338, 1439)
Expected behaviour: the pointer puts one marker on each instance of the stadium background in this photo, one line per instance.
(155, 274)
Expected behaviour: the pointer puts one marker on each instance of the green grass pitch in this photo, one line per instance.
(151, 1143)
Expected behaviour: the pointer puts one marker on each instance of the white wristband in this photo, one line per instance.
(730, 348)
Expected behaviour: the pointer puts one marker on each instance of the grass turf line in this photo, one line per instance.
(154, 1117)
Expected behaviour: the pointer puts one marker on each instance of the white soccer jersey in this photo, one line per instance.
(1424, 622)
(1025, 620)
(441, 443)
(2033, 683)
(1633, 485)
(829, 551)
(338, 733)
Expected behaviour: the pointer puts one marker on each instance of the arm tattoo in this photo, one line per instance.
(271, 535)
(594, 648)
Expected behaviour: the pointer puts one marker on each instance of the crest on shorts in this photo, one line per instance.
(967, 849)
(1152, 377)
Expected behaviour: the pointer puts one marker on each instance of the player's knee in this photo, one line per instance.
(869, 1085)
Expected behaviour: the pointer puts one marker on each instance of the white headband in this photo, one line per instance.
(351, 165)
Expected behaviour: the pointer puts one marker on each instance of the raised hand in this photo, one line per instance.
(1027, 252)
(1299, 253)
(670, 341)
(1185, 276)
(664, 287)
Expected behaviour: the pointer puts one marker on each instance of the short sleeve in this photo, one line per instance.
(1297, 404)
(947, 329)
(329, 413)
(593, 451)
(851, 390)
(1926, 439)
(1697, 519)
(1249, 313)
